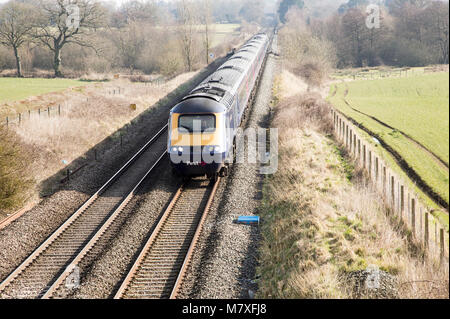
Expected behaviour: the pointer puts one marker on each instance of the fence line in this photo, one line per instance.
(396, 73)
(403, 202)
(56, 110)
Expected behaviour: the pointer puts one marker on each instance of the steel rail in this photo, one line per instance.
(154, 238)
(98, 234)
(54, 236)
(193, 245)
(148, 245)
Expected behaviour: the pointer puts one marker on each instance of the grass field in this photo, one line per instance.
(15, 89)
(417, 106)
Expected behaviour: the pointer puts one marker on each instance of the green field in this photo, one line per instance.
(417, 106)
(16, 89)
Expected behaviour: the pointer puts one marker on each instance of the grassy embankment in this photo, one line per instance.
(48, 144)
(90, 113)
(417, 106)
(323, 223)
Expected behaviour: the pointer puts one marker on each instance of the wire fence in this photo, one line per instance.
(58, 109)
(391, 73)
(402, 201)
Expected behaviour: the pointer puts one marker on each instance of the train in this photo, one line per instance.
(203, 126)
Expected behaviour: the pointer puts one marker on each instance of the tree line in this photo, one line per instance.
(410, 32)
(88, 35)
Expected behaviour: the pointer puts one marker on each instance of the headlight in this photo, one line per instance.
(177, 149)
(213, 149)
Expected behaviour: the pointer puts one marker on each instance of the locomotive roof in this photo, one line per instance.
(222, 85)
(199, 105)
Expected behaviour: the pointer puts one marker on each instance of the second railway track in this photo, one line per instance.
(41, 274)
(160, 268)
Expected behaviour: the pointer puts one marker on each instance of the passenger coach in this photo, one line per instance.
(202, 128)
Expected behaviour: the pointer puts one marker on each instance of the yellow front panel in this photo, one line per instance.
(197, 139)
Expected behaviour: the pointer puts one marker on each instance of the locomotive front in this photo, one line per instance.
(197, 143)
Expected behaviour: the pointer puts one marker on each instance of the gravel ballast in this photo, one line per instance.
(224, 265)
(22, 237)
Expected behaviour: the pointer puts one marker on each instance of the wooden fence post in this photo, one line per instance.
(413, 216)
(426, 235)
(339, 128)
(364, 156)
(351, 141)
(346, 135)
(402, 200)
(359, 150)
(393, 192)
(421, 221)
(376, 170)
(435, 235)
(370, 165)
(442, 244)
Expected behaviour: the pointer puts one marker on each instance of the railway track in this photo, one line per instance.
(42, 273)
(161, 266)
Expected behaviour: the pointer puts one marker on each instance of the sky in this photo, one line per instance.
(116, 1)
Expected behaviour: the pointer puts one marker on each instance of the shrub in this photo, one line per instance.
(6, 59)
(402, 52)
(14, 183)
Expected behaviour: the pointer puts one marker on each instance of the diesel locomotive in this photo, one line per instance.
(203, 126)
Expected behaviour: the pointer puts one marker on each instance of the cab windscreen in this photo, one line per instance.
(197, 123)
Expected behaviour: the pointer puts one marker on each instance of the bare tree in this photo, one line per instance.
(62, 22)
(207, 21)
(355, 32)
(187, 31)
(130, 42)
(436, 17)
(16, 26)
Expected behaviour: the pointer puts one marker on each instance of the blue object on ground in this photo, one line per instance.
(248, 220)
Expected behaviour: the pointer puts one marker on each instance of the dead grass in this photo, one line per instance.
(326, 222)
(88, 116)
